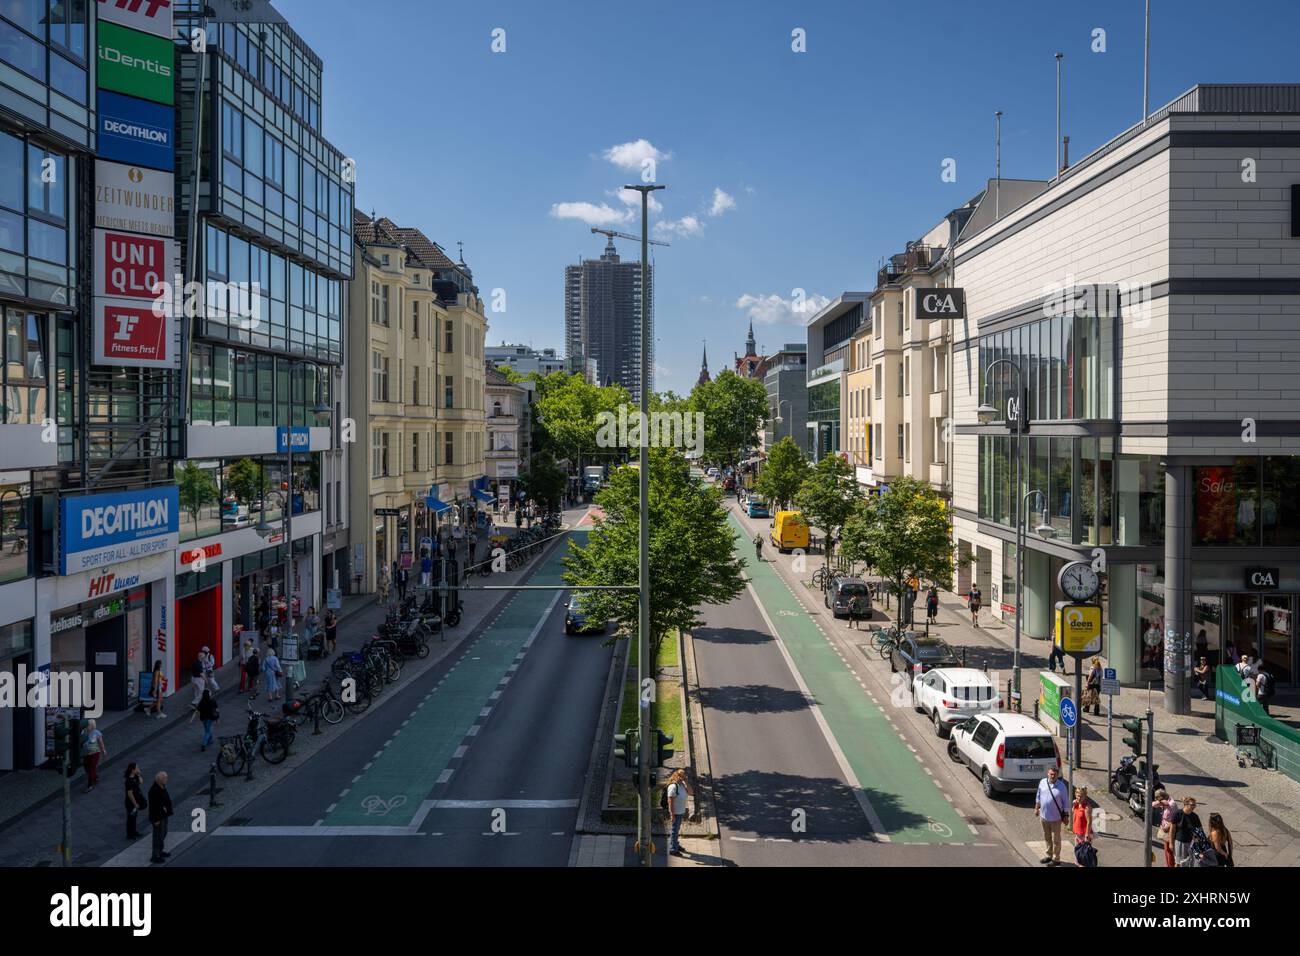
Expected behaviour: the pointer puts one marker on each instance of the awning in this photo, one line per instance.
(436, 505)
(483, 496)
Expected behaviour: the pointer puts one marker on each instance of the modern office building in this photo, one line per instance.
(602, 319)
(829, 333)
(525, 359)
(786, 381)
(263, 482)
(1148, 298)
(416, 346)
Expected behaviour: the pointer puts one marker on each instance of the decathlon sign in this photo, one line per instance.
(941, 303)
(136, 132)
(98, 530)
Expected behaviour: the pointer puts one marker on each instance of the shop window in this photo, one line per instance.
(15, 530)
(1151, 618)
(1279, 510)
(25, 384)
(1226, 502)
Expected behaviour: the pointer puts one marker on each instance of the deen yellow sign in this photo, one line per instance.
(1078, 628)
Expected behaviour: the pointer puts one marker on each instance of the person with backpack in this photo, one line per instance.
(975, 597)
(858, 610)
(674, 797)
(932, 606)
(1221, 840)
(1186, 824)
(207, 712)
(197, 683)
(1263, 688)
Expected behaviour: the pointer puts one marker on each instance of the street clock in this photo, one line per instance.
(1079, 581)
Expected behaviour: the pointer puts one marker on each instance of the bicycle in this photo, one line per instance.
(885, 640)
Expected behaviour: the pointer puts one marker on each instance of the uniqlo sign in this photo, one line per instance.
(130, 334)
(130, 265)
(151, 16)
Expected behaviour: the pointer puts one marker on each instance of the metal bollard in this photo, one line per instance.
(252, 755)
(316, 720)
(213, 789)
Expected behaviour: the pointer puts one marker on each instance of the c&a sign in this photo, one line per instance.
(1263, 579)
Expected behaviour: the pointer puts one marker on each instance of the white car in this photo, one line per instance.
(1006, 751)
(950, 695)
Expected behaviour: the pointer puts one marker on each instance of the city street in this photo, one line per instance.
(479, 762)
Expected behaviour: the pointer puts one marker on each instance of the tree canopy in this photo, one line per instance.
(693, 559)
(783, 474)
(734, 409)
(828, 496)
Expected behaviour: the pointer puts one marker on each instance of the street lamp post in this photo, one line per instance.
(778, 419)
(1017, 412)
(645, 809)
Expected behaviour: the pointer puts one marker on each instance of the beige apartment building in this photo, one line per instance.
(855, 432)
(415, 342)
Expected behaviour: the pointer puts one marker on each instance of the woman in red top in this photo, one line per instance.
(1081, 816)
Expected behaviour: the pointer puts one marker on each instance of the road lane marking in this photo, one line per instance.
(503, 804)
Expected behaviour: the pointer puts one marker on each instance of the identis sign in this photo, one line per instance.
(941, 303)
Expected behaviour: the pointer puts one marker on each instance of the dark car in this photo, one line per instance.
(576, 622)
(845, 589)
(916, 653)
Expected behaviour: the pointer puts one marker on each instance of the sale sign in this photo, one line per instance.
(132, 266)
(130, 334)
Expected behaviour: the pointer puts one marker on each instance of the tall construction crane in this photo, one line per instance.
(623, 235)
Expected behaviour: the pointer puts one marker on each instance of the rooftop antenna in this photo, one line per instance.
(460, 247)
(1057, 146)
(1146, 66)
(997, 193)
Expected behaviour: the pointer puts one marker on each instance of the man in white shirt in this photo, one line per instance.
(1052, 807)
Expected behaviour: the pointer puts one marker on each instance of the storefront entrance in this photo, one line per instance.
(1261, 625)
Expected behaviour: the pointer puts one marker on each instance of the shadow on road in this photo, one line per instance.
(730, 635)
(752, 699)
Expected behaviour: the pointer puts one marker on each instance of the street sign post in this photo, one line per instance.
(1109, 687)
(1070, 717)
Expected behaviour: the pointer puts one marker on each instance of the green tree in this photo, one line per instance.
(693, 558)
(569, 411)
(545, 481)
(828, 496)
(904, 533)
(734, 409)
(197, 488)
(783, 474)
(245, 480)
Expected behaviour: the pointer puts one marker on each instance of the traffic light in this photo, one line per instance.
(1134, 742)
(60, 739)
(663, 753)
(626, 748)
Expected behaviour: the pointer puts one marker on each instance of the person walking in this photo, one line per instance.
(426, 567)
(519, 517)
(932, 606)
(310, 625)
(402, 578)
(1054, 656)
(1163, 805)
(976, 598)
(1263, 688)
(160, 809)
(209, 670)
(92, 748)
(1050, 806)
(245, 651)
(382, 585)
(1201, 678)
(1092, 689)
(758, 547)
(857, 610)
(1221, 840)
(1185, 824)
(197, 682)
(331, 630)
(254, 667)
(157, 687)
(271, 674)
(135, 801)
(206, 712)
(678, 790)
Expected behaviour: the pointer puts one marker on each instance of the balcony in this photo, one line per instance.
(938, 404)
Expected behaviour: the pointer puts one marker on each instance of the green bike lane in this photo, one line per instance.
(416, 758)
(900, 797)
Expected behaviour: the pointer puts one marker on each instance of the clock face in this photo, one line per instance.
(1079, 581)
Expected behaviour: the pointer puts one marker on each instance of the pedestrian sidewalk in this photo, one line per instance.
(31, 807)
(1260, 807)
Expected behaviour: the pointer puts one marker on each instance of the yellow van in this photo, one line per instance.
(789, 531)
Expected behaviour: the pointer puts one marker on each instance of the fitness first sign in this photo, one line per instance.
(99, 530)
(135, 199)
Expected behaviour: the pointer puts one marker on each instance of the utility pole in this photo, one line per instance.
(997, 140)
(1057, 149)
(1151, 769)
(65, 850)
(1146, 66)
(645, 677)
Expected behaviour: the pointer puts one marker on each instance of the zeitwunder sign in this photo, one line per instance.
(134, 199)
(98, 530)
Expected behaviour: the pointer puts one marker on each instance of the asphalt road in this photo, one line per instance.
(479, 762)
(814, 761)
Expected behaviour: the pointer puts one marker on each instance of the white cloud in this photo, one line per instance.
(774, 310)
(721, 202)
(662, 370)
(632, 198)
(631, 155)
(590, 213)
(686, 227)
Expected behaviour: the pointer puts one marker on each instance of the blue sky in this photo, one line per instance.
(830, 159)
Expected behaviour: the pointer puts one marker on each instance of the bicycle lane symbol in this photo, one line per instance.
(377, 806)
